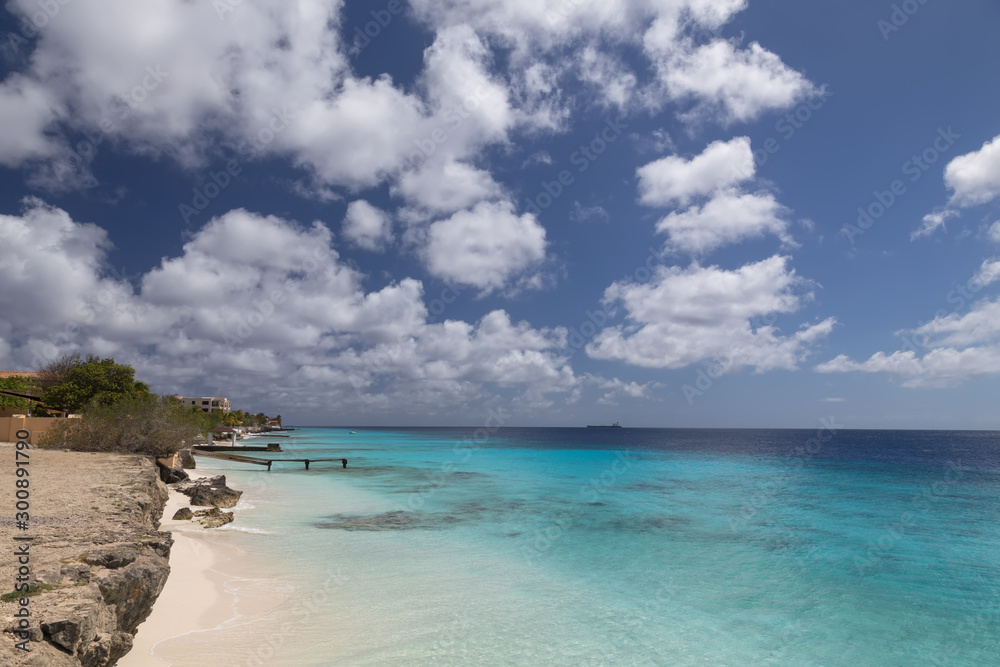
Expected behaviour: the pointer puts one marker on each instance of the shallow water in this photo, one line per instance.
(616, 547)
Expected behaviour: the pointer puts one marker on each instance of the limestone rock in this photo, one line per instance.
(213, 518)
(210, 492)
(113, 556)
(102, 570)
(187, 459)
(183, 514)
(133, 588)
(173, 475)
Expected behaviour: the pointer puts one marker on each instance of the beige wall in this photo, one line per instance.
(9, 426)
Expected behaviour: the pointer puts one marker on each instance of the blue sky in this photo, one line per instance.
(671, 213)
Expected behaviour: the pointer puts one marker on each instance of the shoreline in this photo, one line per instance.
(210, 588)
(195, 598)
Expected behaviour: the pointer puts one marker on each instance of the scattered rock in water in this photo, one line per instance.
(183, 514)
(213, 518)
(389, 521)
(210, 492)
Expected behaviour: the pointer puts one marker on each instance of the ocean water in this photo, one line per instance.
(614, 547)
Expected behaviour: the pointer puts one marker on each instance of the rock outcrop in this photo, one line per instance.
(187, 459)
(209, 492)
(213, 518)
(183, 514)
(96, 554)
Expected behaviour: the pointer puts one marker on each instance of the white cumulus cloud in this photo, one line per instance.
(674, 179)
(367, 226)
(683, 316)
(486, 246)
(729, 217)
(732, 84)
(975, 177)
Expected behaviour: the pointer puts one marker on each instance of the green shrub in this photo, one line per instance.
(141, 425)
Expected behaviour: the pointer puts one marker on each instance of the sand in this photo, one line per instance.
(194, 598)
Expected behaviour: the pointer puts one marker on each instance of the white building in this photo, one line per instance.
(207, 403)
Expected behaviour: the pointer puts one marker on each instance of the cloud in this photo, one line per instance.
(585, 214)
(257, 307)
(367, 226)
(684, 316)
(729, 217)
(975, 177)
(674, 179)
(446, 187)
(26, 109)
(933, 222)
(51, 268)
(485, 247)
(959, 347)
(618, 389)
(729, 84)
(988, 273)
(610, 79)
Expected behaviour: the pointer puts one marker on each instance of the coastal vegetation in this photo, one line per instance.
(18, 384)
(119, 413)
(72, 383)
(144, 424)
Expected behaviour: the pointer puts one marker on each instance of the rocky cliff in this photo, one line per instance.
(96, 556)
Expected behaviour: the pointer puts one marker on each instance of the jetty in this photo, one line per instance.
(239, 458)
(271, 447)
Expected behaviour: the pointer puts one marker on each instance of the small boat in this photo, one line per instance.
(615, 425)
(352, 432)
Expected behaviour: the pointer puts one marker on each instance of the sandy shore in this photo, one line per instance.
(194, 598)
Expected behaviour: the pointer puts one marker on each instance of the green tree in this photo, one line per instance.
(95, 381)
(19, 384)
(56, 372)
(153, 425)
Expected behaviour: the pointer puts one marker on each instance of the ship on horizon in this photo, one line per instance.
(615, 425)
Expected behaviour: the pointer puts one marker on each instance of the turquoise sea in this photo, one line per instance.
(506, 546)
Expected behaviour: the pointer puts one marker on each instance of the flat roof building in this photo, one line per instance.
(207, 403)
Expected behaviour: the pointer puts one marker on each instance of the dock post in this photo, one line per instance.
(307, 464)
(269, 466)
(345, 462)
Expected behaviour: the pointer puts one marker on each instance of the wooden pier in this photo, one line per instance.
(261, 462)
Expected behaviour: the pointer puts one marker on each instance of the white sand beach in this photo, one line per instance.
(194, 598)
